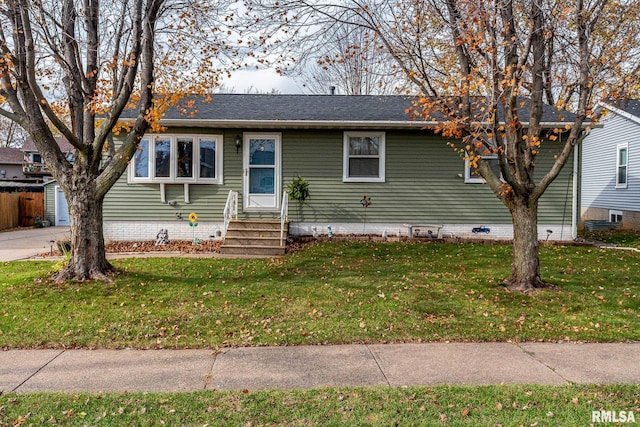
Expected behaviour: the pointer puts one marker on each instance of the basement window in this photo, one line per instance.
(615, 216)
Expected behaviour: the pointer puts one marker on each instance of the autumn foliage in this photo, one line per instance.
(71, 69)
(482, 72)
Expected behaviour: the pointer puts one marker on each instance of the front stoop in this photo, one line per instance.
(259, 237)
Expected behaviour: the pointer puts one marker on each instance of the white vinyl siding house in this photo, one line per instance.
(610, 179)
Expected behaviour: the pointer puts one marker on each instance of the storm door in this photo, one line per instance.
(261, 172)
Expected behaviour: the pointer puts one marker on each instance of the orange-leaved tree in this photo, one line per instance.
(483, 71)
(71, 68)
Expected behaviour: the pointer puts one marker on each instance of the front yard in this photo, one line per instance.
(326, 293)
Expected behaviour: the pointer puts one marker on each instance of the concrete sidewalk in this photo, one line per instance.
(302, 367)
(29, 242)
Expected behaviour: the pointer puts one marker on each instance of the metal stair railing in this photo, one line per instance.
(230, 209)
(284, 213)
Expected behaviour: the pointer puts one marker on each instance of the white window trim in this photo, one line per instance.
(476, 179)
(623, 146)
(617, 213)
(381, 157)
(173, 178)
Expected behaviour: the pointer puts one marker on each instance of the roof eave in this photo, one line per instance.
(296, 124)
(620, 112)
(321, 124)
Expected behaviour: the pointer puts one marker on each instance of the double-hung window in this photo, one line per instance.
(178, 159)
(622, 162)
(472, 174)
(364, 157)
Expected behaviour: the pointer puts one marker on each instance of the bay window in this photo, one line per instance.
(178, 159)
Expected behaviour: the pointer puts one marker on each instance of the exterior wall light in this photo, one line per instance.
(238, 143)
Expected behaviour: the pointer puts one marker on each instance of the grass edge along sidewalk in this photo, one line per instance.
(527, 405)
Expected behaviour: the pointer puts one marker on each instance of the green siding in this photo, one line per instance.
(422, 185)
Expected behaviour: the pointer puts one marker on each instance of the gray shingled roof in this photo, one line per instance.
(301, 108)
(64, 145)
(630, 106)
(10, 155)
(227, 108)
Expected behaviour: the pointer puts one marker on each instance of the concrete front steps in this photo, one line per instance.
(257, 237)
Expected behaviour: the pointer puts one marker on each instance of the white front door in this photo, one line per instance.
(261, 172)
(61, 207)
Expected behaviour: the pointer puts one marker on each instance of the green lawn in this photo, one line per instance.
(623, 238)
(326, 293)
(570, 405)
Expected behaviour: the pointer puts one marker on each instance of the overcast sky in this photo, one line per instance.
(262, 81)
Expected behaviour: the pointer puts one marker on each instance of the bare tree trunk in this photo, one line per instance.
(88, 255)
(525, 271)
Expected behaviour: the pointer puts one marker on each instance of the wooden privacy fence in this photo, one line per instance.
(20, 209)
(31, 207)
(9, 210)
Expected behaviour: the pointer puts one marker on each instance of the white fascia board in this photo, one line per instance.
(553, 125)
(299, 124)
(620, 112)
(327, 124)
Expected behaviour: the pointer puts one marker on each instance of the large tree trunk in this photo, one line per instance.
(88, 255)
(525, 271)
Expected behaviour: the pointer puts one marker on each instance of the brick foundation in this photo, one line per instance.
(630, 219)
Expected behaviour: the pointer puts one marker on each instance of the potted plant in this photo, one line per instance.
(298, 190)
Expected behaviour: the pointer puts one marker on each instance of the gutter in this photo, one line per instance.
(326, 124)
(299, 124)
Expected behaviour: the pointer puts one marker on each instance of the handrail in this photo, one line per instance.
(230, 209)
(284, 213)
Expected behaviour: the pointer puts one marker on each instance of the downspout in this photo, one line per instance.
(574, 202)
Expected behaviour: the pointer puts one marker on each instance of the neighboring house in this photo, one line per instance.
(346, 147)
(56, 208)
(610, 184)
(33, 165)
(11, 164)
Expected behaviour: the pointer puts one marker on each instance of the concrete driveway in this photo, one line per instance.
(27, 243)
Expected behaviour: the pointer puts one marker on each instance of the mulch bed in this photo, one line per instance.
(184, 246)
(293, 245)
